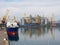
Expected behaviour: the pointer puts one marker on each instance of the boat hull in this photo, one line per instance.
(12, 33)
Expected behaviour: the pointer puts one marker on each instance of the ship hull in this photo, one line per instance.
(12, 33)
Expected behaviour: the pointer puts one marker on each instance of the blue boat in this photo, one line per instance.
(12, 31)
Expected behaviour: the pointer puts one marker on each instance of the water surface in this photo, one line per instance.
(38, 36)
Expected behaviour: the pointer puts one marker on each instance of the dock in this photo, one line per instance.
(3, 37)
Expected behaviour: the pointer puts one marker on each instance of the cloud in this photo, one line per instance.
(28, 0)
(28, 4)
(19, 8)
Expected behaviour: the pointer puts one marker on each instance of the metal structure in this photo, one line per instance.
(34, 21)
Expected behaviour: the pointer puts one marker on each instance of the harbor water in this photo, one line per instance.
(38, 36)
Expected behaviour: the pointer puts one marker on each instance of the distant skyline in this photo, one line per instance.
(41, 7)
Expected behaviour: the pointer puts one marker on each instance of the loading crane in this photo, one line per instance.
(4, 18)
(53, 21)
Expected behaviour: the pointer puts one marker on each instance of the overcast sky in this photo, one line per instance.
(21, 7)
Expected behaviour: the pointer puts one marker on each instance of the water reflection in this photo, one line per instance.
(38, 36)
(37, 32)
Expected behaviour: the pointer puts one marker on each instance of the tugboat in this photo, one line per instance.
(11, 26)
(12, 30)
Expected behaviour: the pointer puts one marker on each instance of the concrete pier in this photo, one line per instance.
(3, 37)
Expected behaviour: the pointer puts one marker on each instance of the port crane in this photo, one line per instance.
(53, 21)
(4, 18)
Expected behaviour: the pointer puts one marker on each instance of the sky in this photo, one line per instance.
(48, 8)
